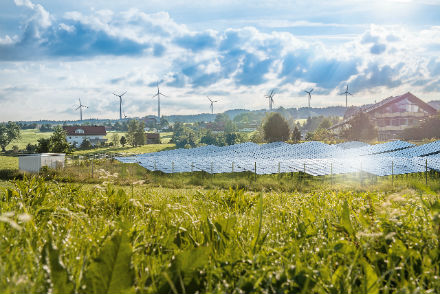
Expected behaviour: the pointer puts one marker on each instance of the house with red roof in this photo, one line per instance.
(77, 134)
(391, 116)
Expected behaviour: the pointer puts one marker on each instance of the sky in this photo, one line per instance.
(54, 52)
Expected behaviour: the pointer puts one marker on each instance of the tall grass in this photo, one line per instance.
(77, 238)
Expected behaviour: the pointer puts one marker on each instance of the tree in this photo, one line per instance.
(296, 135)
(209, 138)
(123, 141)
(58, 141)
(360, 128)
(275, 128)
(115, 140)
(233, 138)
(31, 148)
(183, 136)
(136, 133)
(85, 144)
(140, 133)
(46, 128)
(43, 145)
(164, 123)
(8, 133)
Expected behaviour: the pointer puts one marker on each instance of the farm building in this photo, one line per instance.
(153, 138)
(391, 116)
(34, 162)
(77, 134)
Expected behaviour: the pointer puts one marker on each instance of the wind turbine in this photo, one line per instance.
(120, 103)
(158, 101)
(270, 97)
(80, 107)
(346, 93)
(310, 95)
(212, 104)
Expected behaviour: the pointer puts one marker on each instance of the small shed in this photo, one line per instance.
(153, 138)
(34, 162)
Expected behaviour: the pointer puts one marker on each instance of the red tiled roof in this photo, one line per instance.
(88, 130)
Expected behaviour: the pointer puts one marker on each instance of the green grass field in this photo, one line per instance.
(8, 162)
(28, 136)
(102, 238)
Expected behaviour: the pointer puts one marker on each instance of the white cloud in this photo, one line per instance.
(90, 55)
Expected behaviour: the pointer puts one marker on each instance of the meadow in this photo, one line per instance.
(111, 238)
(30, 136)
(101, 226)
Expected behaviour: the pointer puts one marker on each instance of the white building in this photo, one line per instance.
(34, 162)
(77, 134)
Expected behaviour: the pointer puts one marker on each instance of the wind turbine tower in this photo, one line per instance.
(158, 101)
(270, 97)
(80, 107)
(346, 93)
(120, 103)
(310, 95)
(212, 104)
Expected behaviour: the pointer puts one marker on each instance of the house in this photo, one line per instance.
(77, 134)
(153, 138)
(391, 116)
(33, 163)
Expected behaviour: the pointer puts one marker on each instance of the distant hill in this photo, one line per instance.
(190, 118)
(435, 104)
(297, 113)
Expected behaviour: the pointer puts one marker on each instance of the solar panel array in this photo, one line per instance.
(314, 158)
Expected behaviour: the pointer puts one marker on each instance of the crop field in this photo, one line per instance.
(110, 237)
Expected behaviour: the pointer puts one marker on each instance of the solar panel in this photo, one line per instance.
(314, 158)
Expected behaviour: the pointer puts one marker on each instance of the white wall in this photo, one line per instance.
(33, 163)
(79, 139)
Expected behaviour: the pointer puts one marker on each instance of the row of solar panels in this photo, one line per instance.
(314, 158)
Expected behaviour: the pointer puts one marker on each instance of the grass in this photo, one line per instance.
(83, 238)
(127, 149)
(28, 136)
(8, 162)
(83, 171)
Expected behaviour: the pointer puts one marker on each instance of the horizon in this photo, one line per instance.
(232, 52)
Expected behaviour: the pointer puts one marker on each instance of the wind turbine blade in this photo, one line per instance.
(311, 91)
(77, 108)
(123, 94)
(155, 95)
(209, 98)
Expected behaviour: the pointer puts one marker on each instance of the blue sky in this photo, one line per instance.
(54, 52)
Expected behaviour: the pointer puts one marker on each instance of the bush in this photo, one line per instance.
(427, 130)
(10, 174)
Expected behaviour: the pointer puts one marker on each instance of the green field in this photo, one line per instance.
(76, 238)
(8, 162)
(28, 136)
